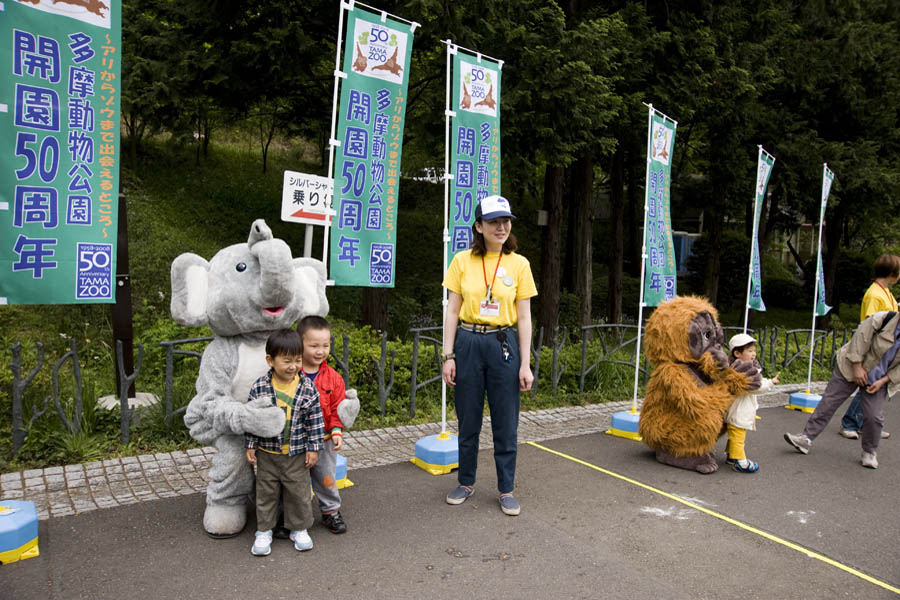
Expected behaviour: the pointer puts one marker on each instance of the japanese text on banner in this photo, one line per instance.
(659, 280)
(475, 143)
(370, 131)
(59, 199)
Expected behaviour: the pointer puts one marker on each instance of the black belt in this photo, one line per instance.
(480, 328)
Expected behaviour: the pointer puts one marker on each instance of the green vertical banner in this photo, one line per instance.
(822, 308)
(370, 133)
(659, 252)
(764, 165)
(59, 156)
(475, 142)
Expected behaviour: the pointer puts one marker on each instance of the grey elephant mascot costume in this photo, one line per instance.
(244, 293)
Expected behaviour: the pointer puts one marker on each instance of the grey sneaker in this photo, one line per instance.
(509, 506)
(460, 494)
(849, 434)
(869, 460)
(799, 441)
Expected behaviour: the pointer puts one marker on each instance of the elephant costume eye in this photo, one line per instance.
(240, 267)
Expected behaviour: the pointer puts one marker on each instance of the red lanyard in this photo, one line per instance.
(483, 270)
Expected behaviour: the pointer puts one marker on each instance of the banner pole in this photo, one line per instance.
(332, 142)
(448, 113)
(439, 454)
(812, 340)
(753, 244)
(637, 351)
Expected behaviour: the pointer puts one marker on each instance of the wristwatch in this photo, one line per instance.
(446, 357)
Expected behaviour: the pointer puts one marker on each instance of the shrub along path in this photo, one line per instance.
(74, 489)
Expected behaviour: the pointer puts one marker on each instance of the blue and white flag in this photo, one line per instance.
(822, 308)
(764, 166)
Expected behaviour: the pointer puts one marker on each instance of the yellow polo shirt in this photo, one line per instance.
(514, 281)
(876, 300)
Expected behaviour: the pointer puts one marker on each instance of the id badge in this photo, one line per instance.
(490, 308)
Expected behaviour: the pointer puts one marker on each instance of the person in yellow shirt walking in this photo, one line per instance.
(489, 292)
(877, 298)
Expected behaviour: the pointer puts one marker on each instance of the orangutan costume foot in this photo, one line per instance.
(705, 463)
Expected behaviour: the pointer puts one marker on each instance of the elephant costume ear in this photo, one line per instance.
(310, 277)
(190, 286)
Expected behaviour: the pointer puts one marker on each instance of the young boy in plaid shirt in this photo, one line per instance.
(283, 462)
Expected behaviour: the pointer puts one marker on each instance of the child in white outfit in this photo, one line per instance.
(742, 414)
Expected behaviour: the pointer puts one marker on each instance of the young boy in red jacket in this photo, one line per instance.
(316, 335)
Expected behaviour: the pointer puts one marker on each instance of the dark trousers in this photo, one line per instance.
(836, 393)
(278, 474)
(480, 368)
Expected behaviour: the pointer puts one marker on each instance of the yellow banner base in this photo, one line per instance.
(26, 550)
(434, 469)
(805, 409)
(628, 435)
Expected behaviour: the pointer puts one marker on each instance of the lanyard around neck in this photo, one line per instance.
(484, 270)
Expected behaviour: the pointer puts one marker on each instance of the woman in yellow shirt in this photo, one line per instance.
(877, 298)
(489, 292)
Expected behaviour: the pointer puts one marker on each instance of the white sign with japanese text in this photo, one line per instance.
(306, 198)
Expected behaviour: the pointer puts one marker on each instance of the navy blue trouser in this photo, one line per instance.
(480, 368)
(852, 419)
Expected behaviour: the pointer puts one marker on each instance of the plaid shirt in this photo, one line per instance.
(307, 425)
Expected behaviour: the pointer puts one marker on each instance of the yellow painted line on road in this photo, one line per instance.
(727, 519)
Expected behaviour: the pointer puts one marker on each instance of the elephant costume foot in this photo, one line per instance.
(224, 521)
(705, 463)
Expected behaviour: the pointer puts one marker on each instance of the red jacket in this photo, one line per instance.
(331, 393)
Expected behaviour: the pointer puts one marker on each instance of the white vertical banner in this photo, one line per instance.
(819, 306)
(764, 164)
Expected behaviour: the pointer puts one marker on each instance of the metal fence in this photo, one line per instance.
(601, 344)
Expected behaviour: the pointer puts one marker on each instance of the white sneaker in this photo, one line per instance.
(849, 434)
(302, 541)
(869, 460)
(262, 545)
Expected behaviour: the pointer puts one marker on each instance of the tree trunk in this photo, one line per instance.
(375, 308)
(584, 198)
(570, 260)
(616, 237)
(551, 237)
(634, 208)
(716, 226)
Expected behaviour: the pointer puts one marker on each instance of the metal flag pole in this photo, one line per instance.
(812, 338)
(627, 423)
(332, 141)
(637, 351)
(448, 114)
(439, 454)
(806, 401)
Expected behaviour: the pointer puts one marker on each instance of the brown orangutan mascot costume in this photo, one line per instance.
(691, 387)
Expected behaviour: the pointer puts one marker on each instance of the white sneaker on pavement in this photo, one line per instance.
(849, 434)
(869, 460)
(262, 544)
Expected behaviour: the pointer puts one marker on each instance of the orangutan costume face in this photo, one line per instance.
(705, 335)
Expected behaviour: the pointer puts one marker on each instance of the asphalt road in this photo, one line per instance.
(583, 533)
